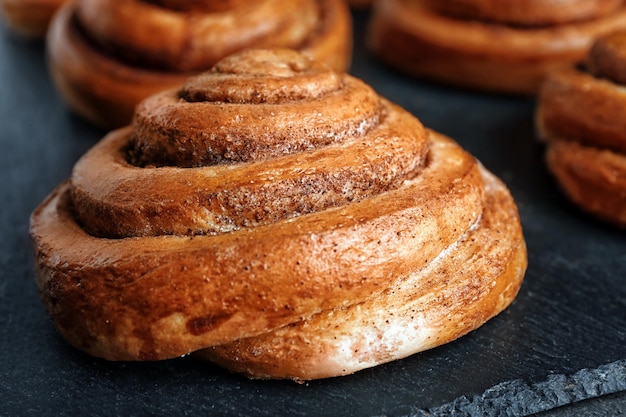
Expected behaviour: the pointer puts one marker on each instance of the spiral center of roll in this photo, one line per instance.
(259, 78)
(326, 140)
(254, 105)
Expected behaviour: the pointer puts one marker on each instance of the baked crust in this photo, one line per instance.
(419, 39)
(593, 178)
(105, 56)
(527, 12)
(468, 283)
(575, 105)
(132, 265)
(580, 115)
(29, 18)
(607, 57)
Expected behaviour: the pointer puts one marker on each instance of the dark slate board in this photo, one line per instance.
(561, 344)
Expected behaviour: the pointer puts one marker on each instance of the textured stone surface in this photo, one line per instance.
(517, 398)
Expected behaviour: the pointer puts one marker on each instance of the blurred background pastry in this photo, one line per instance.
(504, 46)
(107, 55)
(29, 18)
(581, 116)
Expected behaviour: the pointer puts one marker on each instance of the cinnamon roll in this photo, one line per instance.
(580, 115)
(29, 18)
(105, 56)
(279, 218)
(529, 12)
(503, 46)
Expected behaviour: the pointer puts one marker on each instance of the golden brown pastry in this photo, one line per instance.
(281, 219)
(580, 114)
(29, 17)
(107, 55)
(528, 12)
(504, 46)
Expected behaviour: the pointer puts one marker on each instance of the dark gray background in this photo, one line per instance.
(562, 340)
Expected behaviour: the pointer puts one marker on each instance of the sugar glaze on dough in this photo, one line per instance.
(351, 220)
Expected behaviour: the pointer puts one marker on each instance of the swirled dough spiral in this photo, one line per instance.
(29, 18)
(580, 114)
(107, 55)
(265, 208)
(504, 46)
(528, 12)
